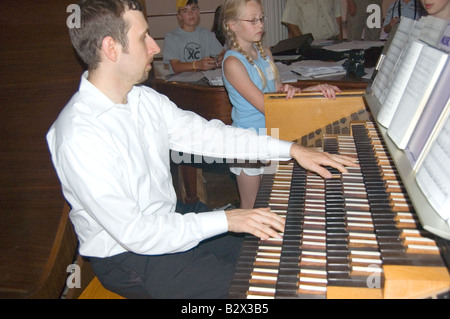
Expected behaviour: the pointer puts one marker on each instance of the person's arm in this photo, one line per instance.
(291, 18)
(100, 185)
(293, 30)
(264, 224)
(315, 161)
(337, 8)
(219, 58)
(236, 73)
(388, 27)
(329, 91)
(390, 21)
(351, 7)
(194, 135)
(259, 222)
(341, 33)
(204, 64)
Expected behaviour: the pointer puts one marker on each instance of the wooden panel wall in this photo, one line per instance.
(40, 73)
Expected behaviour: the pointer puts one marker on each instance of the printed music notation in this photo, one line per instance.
(425, 74)
(433, 175)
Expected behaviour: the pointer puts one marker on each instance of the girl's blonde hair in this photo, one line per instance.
(231, 10)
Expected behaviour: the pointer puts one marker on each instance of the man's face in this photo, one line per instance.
(135, 62)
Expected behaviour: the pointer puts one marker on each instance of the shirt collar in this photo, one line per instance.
(98, 101)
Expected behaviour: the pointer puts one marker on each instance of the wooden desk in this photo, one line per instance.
(211, 102)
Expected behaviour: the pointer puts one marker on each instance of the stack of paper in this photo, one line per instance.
(318, 69)
(214, 77)
(188, 77)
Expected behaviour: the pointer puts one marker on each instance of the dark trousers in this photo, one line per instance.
(202, 272)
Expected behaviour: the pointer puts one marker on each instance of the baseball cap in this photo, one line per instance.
(183, 3)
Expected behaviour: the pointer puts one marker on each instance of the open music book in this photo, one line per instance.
(423, 78)
(432, 30)
(428, 29)
(393, 56)
(433, 174)
(399, 83)
(444, 43)
(437, 105)
(414, 136)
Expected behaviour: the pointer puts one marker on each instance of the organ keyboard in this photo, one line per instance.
(355, 235)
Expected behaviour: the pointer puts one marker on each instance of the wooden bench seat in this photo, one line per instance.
(95, 290)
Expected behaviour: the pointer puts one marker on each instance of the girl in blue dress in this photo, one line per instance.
(248, 73)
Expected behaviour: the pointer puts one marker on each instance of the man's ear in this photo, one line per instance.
(110, 48)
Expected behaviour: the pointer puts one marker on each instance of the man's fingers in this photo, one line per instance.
(258, 222)
(315, 161)
(268, 224)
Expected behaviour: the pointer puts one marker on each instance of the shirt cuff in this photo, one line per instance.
(213, 223)
(280, 150)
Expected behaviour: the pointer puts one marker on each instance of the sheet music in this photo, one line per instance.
(392, 57)
(432, 30)
(433, 175)
(400, 80)
(438, 103)
(444, 43)
(420, 85)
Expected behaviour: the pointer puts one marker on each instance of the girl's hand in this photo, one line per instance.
(329, 91)
(290, 91)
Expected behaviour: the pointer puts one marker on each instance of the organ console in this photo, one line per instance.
(211, 102)
(355, 235)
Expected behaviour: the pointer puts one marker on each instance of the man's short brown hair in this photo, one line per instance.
(99, 19)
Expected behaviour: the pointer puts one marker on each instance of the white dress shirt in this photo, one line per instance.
(317, 17)
(113, 162)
